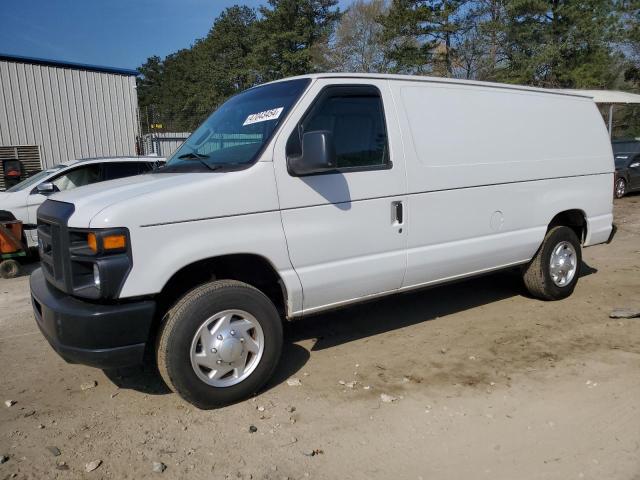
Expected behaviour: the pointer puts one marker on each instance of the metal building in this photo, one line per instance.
(51, 111)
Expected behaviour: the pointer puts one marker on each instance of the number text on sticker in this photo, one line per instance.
(263, 116)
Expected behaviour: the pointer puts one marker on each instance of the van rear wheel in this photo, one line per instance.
(219, 344)
(553, 273)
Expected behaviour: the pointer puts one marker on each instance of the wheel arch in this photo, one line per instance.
(575, 219)
(250, 268)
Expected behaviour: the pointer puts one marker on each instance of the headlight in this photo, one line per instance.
(100, 261)
(96, 276)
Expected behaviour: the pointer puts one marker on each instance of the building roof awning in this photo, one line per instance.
(64, 64)
(608, 97)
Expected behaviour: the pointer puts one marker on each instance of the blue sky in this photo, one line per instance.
(118, 33)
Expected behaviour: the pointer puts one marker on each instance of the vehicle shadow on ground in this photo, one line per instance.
(144, 378)
(359, 321)
(405, 309)
(147, 379)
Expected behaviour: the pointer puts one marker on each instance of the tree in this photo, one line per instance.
(181, 90)
(480, 52)
(290, 35)
(224, 56)
(631, 40)
(150, 81)
(423, 34)
(548, 43)
(561, 43)
(358, 45)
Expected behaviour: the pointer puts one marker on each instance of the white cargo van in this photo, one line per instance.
(311, 193)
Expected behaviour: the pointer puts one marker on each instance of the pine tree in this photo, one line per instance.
(182, 90)
(289, 34)
(422, 35)
(561, 43)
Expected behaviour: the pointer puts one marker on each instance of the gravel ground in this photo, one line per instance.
(472, 380)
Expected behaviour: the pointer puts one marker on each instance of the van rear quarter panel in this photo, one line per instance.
(487, 170)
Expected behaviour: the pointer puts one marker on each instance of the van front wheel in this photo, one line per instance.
(219, 344)
(553, 273)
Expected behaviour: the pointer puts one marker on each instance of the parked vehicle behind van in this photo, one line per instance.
(311, 193)
(626, 155)
(21, 201)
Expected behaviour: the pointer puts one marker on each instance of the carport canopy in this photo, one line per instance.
(609, 98)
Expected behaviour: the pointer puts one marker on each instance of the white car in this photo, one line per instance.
(312, 193)
(22, 200)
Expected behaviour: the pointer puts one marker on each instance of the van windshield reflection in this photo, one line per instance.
(235, 134)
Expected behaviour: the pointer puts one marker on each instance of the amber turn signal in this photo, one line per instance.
(92, 241)
(114, 242)
(109, 242)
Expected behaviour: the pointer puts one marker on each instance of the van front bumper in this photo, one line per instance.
(99, 335)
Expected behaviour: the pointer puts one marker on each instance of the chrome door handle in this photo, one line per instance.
(397, 213)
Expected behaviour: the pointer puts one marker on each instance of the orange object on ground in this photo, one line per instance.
(10, 237)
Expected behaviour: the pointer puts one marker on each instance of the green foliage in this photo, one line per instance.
(240, 50)
(358, 44)
(548, 43)
(181, 91)
(289, 34)
(561, 43)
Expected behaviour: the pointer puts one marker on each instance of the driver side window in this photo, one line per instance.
(78, 177)
(354, 116)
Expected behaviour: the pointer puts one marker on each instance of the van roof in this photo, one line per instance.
(442, 80)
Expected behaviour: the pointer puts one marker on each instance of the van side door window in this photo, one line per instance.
(355, 117)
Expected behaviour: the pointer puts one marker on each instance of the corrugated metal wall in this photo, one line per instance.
(69, 113)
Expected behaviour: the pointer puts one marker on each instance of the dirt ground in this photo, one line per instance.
(487, 382)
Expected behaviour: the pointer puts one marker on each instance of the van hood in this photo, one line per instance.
(161, 198)
(102, 194)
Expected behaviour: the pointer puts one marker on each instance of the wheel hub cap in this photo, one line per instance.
(563, 264)
(230, 350)
(227, 348)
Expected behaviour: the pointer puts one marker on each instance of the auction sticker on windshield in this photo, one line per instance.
(263, 116)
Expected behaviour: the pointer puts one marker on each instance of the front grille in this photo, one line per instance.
(49, 242)
(53, 243)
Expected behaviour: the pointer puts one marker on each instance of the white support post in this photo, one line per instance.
(610, 120)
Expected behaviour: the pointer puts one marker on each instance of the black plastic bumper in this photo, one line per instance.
(103, 336)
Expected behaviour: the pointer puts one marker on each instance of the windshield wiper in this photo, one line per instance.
(197, 156)
(193, 155)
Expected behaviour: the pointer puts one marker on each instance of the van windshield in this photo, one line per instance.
(235, 133)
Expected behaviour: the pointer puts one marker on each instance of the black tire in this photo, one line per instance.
(182, 321)
(9, 269)
(536, 274)
(620, 188)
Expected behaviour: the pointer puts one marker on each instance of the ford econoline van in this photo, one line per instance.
(312, 193)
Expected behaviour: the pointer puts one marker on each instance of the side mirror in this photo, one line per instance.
(318, 154)
(46, 188)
